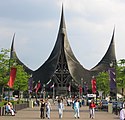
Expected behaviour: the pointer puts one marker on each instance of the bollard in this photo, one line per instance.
(110, 108)
(31, 104)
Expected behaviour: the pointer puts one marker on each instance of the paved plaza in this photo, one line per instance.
(34, 114)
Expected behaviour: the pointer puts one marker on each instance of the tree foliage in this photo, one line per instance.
(4, 67)
(102, 81)
(103, 77)
(121, 73)
(21, 81)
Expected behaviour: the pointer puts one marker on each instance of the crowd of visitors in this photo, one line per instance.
(75, 103)
(45, 107)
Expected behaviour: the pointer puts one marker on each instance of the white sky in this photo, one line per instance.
(89, 23)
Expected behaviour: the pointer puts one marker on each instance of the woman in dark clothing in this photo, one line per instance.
(42, 109)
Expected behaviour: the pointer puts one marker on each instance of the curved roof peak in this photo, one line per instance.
(62, 22)
(13, 55)
(62, 44)
(108, 57)
(76, 70)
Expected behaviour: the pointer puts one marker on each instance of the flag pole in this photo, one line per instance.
(70, 90)
(79, 91)
(36, 96)
(113, 83)
(9, 73)
(81, 87)
(30, 86)
(11, 55)
(8, 86)
(53, 93)
(44, 91)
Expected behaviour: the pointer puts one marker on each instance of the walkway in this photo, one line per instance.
(34, 114)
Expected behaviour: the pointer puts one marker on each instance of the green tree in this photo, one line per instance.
(103, 78)
(102, 81)
(121, 74)
(4, 70)
(4, 67)
(121, 62)
(21, 81)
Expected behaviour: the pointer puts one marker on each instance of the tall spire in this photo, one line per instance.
(62, 23)
(108, 57)
(112, 40)
(12, 48)
(14, 56)
(61, 59)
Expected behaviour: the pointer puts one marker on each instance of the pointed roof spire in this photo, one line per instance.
(108, 57)
(62, 22)
(112, 40)
(46, 71)
(14, 56)
(62, 6)
(12, 47)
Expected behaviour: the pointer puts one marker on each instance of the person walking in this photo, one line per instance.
(122, 113)
(92, 109)
(48, 108)
(42, 109)
(60, 107)
(76, 108)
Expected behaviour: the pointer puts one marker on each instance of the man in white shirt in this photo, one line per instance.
(76, 109)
